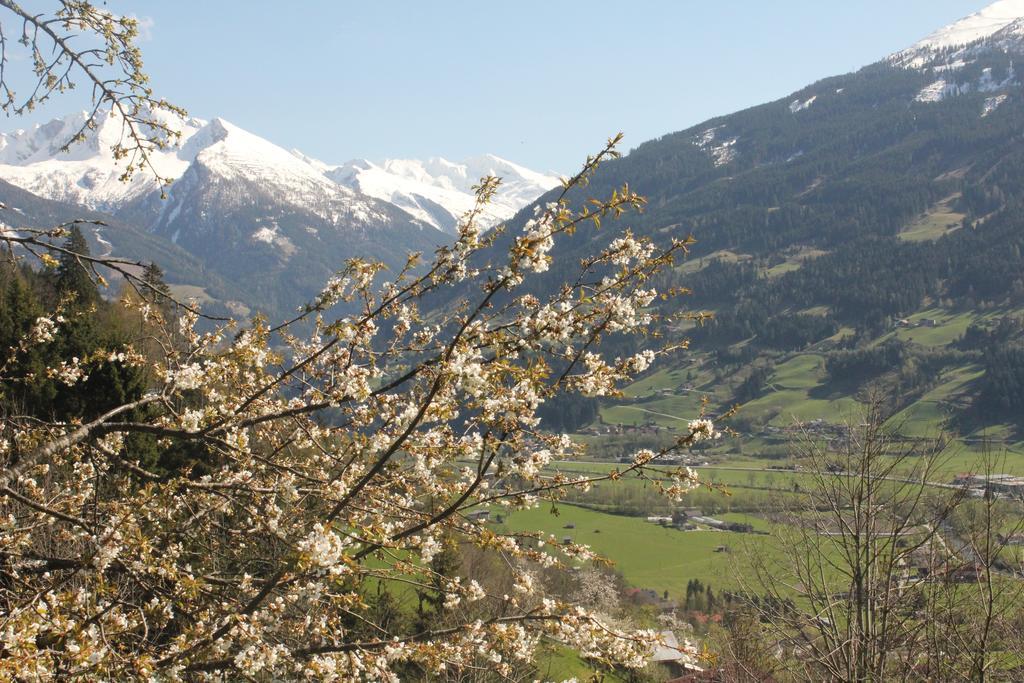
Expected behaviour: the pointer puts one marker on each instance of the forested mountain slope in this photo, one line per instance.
(868, 228)
(109, 235)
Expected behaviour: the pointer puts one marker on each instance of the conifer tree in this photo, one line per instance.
(72, 277)
(153, 276)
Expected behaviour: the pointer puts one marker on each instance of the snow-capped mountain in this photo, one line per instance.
(249, 211)
(999, 25)
(244, 166)
(438, 191)
(977, 54)
(936, 118)
(243, 205)
(258, 215)
(86, 174)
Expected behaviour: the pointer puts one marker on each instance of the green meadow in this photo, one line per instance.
(649, 555)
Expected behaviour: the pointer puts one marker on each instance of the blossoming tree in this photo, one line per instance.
(334, 454)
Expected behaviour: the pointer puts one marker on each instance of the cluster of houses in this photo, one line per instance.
(1001, 485)
(649, 428)
(669, 459)
(690, 518)
(911, 324)
(829, 431)
(919, 566)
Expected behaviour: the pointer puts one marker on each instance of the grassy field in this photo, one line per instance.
(938, 221)
(648, 555)
(794, 261)
(786, 406)
(559, 663)
(660, 398)
(798, 391)
(692, 265)
(949, 327)
(804, 371)
(840, 334)
(753, 477)
(792, 397)
(653, 383)
(671, 411)
(754, 491)
(186, 292)
(815, 310)
(925, 417)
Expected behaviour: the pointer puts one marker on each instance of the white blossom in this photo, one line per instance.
(45, 329)
(702, 429)
(324, 548)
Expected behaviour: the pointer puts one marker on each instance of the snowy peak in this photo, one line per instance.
(87, 173)
(216, 151)
(1001, 21)
(981, 24)
(438, 191)
(233, 171)
(44, 142)
(236, 154)
(976, 54)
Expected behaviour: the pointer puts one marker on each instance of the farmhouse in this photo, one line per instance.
(668, 652)
(643, 596)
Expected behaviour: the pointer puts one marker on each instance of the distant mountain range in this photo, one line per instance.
(270, 223)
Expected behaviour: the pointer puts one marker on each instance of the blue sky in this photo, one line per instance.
(540, 83)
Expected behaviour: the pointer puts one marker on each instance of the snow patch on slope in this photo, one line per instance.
(988, 84)
(725, 152)
(937, 91)
(721, 153)
(955, 65)
(265, 234)
(107, 247)
(943, 88)
(991, 104)
(797, 105)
